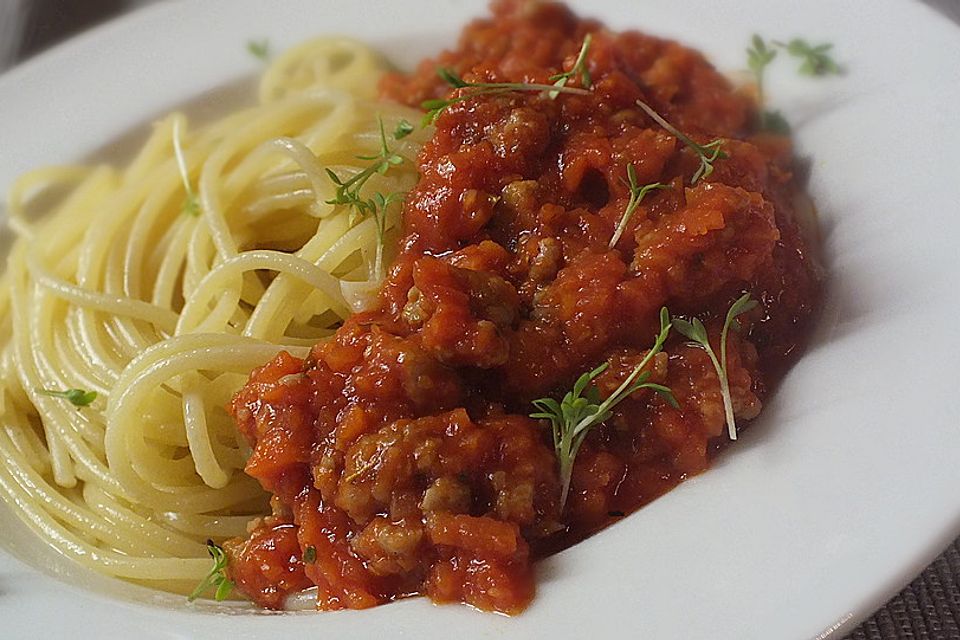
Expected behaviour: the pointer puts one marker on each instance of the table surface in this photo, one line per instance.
(927, 609)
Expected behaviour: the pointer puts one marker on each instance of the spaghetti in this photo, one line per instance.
(159, 286)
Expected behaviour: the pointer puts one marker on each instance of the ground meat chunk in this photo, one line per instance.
(482, 562)
(418, 501)
(724, 235)
(268, 564)
(461, 313)
(390, 547)
(273, 412)
(393, 472)
(447, 494)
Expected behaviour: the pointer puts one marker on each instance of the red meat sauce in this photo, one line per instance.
(399, 453)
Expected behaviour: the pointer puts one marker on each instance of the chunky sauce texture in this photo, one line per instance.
(399, 453)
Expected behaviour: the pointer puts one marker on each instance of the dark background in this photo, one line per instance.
(927, 609)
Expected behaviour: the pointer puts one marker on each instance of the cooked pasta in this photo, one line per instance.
(158, 286)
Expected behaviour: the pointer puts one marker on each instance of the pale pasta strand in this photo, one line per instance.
(163, 309)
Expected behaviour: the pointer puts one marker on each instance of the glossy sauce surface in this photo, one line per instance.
(399, 453)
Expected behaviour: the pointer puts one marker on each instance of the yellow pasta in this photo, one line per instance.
(159, 286)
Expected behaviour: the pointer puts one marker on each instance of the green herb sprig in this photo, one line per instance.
(816, 59)
(217, 578)
(695, 331)
(404, 128)
(637, 194)
(579, 68)
(774, 122)
(348, 191)
(437, 106)
(77, 397)
(759, 57)
(581, 409)
(310, 554)
(259, 48)
(708, 153)
(191, 204)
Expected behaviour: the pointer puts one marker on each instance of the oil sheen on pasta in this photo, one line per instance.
(399, 452)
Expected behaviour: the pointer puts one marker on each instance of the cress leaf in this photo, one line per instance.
(708, 153)
(434, 107)
(403, 129)
(579, 68)
(217, 577)
(684, 327)
(665, 392)
(816, 60)
(699, 330)
(259, 48)
(77, 397)
(348, 191)
(774, 122)
(581, 409)
(451, 78)
(743, 304)
(637, 194)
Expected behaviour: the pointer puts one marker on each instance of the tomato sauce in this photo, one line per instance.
(400, 453)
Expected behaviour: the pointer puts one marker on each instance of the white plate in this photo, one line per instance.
(847, 486)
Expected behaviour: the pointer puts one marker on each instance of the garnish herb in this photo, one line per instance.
(216, 578)
(579, 69)
(77, 397)
(259, 48)
(816, 62)
(774, 122)
(403, 129)
(696, 332)
(637, 194)
(581, 409)
(708, 153)
(437, 106)
(816, 59)
(191, 204)
(759, 56)
(310, 554)
(348, 191)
